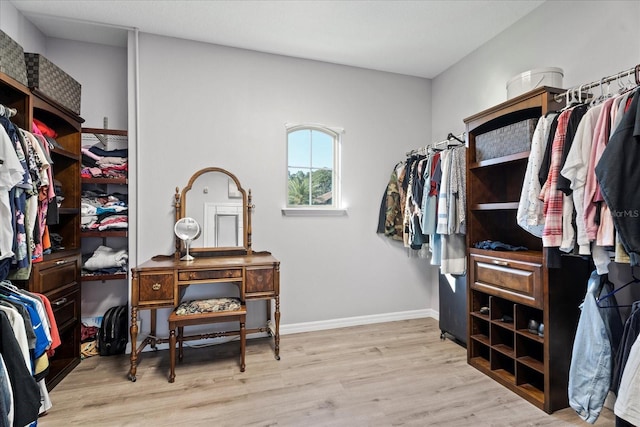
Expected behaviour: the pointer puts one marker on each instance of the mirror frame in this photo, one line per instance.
(180, 212)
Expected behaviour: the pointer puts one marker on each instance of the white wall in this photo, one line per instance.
(102, 72)
(205, 105)
(14, 24)
(587, 39)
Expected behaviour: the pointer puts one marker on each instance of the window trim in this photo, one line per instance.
(336, 209)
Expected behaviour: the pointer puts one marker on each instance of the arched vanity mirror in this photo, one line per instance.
(215, 199)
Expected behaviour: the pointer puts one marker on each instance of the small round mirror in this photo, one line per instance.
(187, 229)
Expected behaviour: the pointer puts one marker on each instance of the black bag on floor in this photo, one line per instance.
(114, 334)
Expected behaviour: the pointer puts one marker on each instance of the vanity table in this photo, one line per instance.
(218, 201)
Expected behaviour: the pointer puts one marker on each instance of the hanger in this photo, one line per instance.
(452, 136)
(631, 83)
(571, 97)
(633, 280)
(597, 99)
(580, 94)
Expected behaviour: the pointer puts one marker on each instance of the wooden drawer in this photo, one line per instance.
(66, 307)
(192, 275)
(155, 288)
(53, 274)
(515, 280)
(259, 280)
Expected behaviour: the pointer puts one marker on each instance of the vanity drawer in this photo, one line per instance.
(192, 275)
(155, 288)
(259, 280)
(516, 280)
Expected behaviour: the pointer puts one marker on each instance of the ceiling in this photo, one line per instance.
(416, 38)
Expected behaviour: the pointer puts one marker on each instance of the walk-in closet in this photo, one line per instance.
(363, 213)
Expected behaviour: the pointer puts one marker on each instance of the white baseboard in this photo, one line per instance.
(357, 321)
(322, 325)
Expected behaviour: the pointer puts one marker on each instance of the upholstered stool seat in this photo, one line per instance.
(202, 312)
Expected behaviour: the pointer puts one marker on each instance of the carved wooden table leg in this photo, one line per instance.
(269, 318)
(243, 337)
(133, 330)
(172, 355)
(154, 318)
(277, 337)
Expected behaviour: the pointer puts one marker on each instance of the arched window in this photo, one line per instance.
(313, 167)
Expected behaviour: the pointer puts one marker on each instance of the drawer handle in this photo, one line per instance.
(59, 302)
(156, 286)
(62, 261)
(502, 263)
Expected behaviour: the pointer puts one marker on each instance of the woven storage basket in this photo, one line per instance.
(49, 79)
(12, 59)
(511, 139)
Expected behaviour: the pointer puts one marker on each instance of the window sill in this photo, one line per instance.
(313, 212)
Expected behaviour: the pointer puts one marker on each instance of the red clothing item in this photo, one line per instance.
(552, 197)
(46, 130)
(55, 335)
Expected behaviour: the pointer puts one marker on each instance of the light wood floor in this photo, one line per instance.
(389, 374)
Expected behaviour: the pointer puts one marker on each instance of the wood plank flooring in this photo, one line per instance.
(388, 374)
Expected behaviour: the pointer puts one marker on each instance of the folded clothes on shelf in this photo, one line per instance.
(498, 246)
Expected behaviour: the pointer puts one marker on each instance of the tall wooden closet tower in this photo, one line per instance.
(58, 275)
(507, 289)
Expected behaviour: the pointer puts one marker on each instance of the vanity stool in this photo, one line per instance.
(202, 312)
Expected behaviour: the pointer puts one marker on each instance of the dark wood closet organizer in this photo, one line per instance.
(58, 275)
(518, 284)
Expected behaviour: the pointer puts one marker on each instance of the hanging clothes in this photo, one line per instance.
(26, 394)
(618, 175)
(11, 174)
(424, 206)
(598, 334)
(629, 336)
(595, 217)
(36, 335)
(391, 215)
(552, 197)
(626, 406)
(432, 177)
(452, 222)
(530, 215)
(575, 172)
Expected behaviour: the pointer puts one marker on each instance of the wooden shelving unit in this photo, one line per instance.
(57, 275)
(106, 185)
(519, 285)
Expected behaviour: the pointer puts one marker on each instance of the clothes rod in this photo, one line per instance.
(456, 140)
(584, 87)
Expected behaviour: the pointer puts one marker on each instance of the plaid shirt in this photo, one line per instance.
(552, 197)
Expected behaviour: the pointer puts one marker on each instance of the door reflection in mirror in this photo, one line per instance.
(223, 225)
